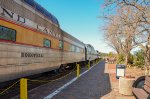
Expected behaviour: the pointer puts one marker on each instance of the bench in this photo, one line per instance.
(143, 93)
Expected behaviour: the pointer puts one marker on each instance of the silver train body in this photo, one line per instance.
(19, 59)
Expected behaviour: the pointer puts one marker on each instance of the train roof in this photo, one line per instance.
(42, 10)
(89, 45)
(72, 38)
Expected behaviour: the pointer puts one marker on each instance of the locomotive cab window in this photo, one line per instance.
(7, 34)
(47, 43)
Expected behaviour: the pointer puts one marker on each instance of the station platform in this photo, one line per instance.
(92, 84)
(99, 82)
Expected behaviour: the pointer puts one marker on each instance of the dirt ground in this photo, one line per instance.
(135, 72)
(114, 94)
(130, 71)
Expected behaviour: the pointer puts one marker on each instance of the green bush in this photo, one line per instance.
(131, 59)
(110, 54)
(121, 59)
(139, 58)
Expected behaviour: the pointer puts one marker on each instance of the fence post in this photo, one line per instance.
(78, 70)
(89, 65)
(23, 88)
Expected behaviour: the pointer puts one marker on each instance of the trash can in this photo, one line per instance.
(120, 70)
(125, 85)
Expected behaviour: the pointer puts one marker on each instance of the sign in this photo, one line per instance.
(120, 70)
(30, 55)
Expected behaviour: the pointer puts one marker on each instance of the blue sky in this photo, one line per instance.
(80, 19)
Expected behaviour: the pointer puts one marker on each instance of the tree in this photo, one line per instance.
(136, 21)
(111, 35)
(120, 33)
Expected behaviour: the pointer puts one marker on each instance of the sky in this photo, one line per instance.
(80, 18)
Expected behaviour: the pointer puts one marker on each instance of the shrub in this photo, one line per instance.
(130, 59)
(121, 59)
(139, 58)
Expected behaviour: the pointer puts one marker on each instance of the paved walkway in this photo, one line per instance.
(92, 85)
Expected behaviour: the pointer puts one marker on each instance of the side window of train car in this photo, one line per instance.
(78, 49)
(82, 50)
(75, 49)
(72, 48)
(7, 34)
(61, 44)
(47, 43)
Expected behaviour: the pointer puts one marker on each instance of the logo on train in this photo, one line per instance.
(34, 55)
(11, 15)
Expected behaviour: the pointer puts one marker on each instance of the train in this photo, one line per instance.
(32, 41)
